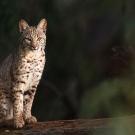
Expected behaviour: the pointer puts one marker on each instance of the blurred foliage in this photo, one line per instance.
(111, 97)
(90, 55)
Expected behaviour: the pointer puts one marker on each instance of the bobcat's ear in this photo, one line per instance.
(23, 25)
(42, 25)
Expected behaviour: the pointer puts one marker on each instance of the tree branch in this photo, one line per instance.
(106, 126)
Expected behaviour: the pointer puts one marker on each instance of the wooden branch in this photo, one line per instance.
(107, 126)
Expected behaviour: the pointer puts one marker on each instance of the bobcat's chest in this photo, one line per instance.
(29, 68)
(34, 61)
(34, 66)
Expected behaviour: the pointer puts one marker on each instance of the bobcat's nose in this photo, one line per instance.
(34, 47)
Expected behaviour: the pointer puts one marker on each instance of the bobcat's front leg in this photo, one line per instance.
(28, 100)
(18, 104)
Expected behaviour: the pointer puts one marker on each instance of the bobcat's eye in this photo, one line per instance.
(41, 40)
(28, 40)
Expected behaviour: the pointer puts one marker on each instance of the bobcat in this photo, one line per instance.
(20, 74)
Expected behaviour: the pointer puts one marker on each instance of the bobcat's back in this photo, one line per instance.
(5, 67)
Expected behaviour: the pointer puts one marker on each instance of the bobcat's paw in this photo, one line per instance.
(31, 120)
(19, 123)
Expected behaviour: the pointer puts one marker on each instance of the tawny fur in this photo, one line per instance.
(20, 74)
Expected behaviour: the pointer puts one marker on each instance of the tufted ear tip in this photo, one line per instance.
(42, 25)
(23, 25)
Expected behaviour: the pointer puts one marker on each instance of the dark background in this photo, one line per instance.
(90, 55)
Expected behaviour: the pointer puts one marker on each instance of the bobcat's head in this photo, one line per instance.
(33, 38)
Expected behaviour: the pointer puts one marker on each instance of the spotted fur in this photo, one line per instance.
(20, 74)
